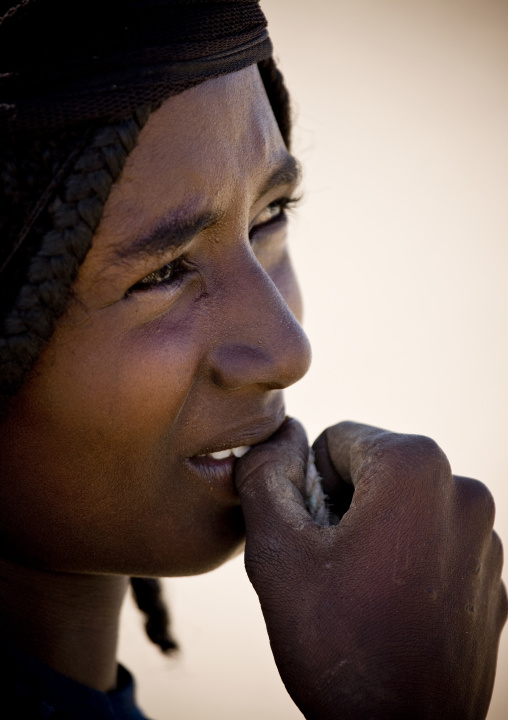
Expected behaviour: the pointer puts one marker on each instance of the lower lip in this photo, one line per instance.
(216, 472)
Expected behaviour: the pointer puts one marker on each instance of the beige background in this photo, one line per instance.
(402, 253)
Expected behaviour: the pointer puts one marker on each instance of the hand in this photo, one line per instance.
(396, 611)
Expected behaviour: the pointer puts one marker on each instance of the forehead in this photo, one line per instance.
(200, 148)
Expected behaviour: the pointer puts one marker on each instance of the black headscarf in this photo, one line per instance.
(67, 61)
(70, 64)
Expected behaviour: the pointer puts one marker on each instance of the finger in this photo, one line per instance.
(475, 507)
(395, 461)
(348, 444)
(502, 614)
(280, 532)
(270, 480)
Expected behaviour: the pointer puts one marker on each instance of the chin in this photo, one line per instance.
(186, 566)
(203, 552)
(204, 565)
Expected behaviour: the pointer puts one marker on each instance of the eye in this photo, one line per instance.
(274, 212)
(269, 213)
(168, 274)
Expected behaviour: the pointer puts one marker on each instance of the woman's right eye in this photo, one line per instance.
(168, 274)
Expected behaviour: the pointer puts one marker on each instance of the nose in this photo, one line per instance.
(262, 342)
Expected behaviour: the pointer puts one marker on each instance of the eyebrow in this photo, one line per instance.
(289, 172)
(171, 233)
(181, 225)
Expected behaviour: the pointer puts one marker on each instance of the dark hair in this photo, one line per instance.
(68, 175)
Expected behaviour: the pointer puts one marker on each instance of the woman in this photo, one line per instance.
(150, 324)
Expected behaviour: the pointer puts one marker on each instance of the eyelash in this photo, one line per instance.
(283, 205)
(166, 275)
(171, 273)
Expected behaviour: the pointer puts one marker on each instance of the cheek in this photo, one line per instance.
(99, 415)
(121, 384)
(91, 458)
(154, 371)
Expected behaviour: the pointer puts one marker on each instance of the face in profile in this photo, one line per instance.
(182, 331)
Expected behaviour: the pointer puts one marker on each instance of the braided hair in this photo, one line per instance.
(55, 187)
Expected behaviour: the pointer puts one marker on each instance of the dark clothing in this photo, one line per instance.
(30, 690)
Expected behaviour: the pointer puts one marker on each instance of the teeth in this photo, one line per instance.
(221, 454)
(241, 451)
(238, 452)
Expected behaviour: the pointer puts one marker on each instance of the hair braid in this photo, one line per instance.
(149, 599)
(75, 214)
(278, 97)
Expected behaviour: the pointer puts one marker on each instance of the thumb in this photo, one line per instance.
(270, 481)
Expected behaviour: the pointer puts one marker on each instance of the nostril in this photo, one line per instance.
(238, 365)
(274, 363)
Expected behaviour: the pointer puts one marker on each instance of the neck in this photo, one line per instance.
(66, 621)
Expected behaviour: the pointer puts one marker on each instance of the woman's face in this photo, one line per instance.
(182, 332)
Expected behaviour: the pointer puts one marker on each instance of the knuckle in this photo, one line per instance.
(503, 605)
(422, 450)
(263, 464)
(399, 454)
(476, 499)
(497, 552)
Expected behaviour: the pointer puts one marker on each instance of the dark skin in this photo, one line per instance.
(169, 352)
(398, 608)
(164, 354)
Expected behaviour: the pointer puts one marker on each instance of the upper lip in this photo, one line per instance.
(251, 434)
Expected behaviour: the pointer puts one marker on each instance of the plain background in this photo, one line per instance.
(401, 250)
